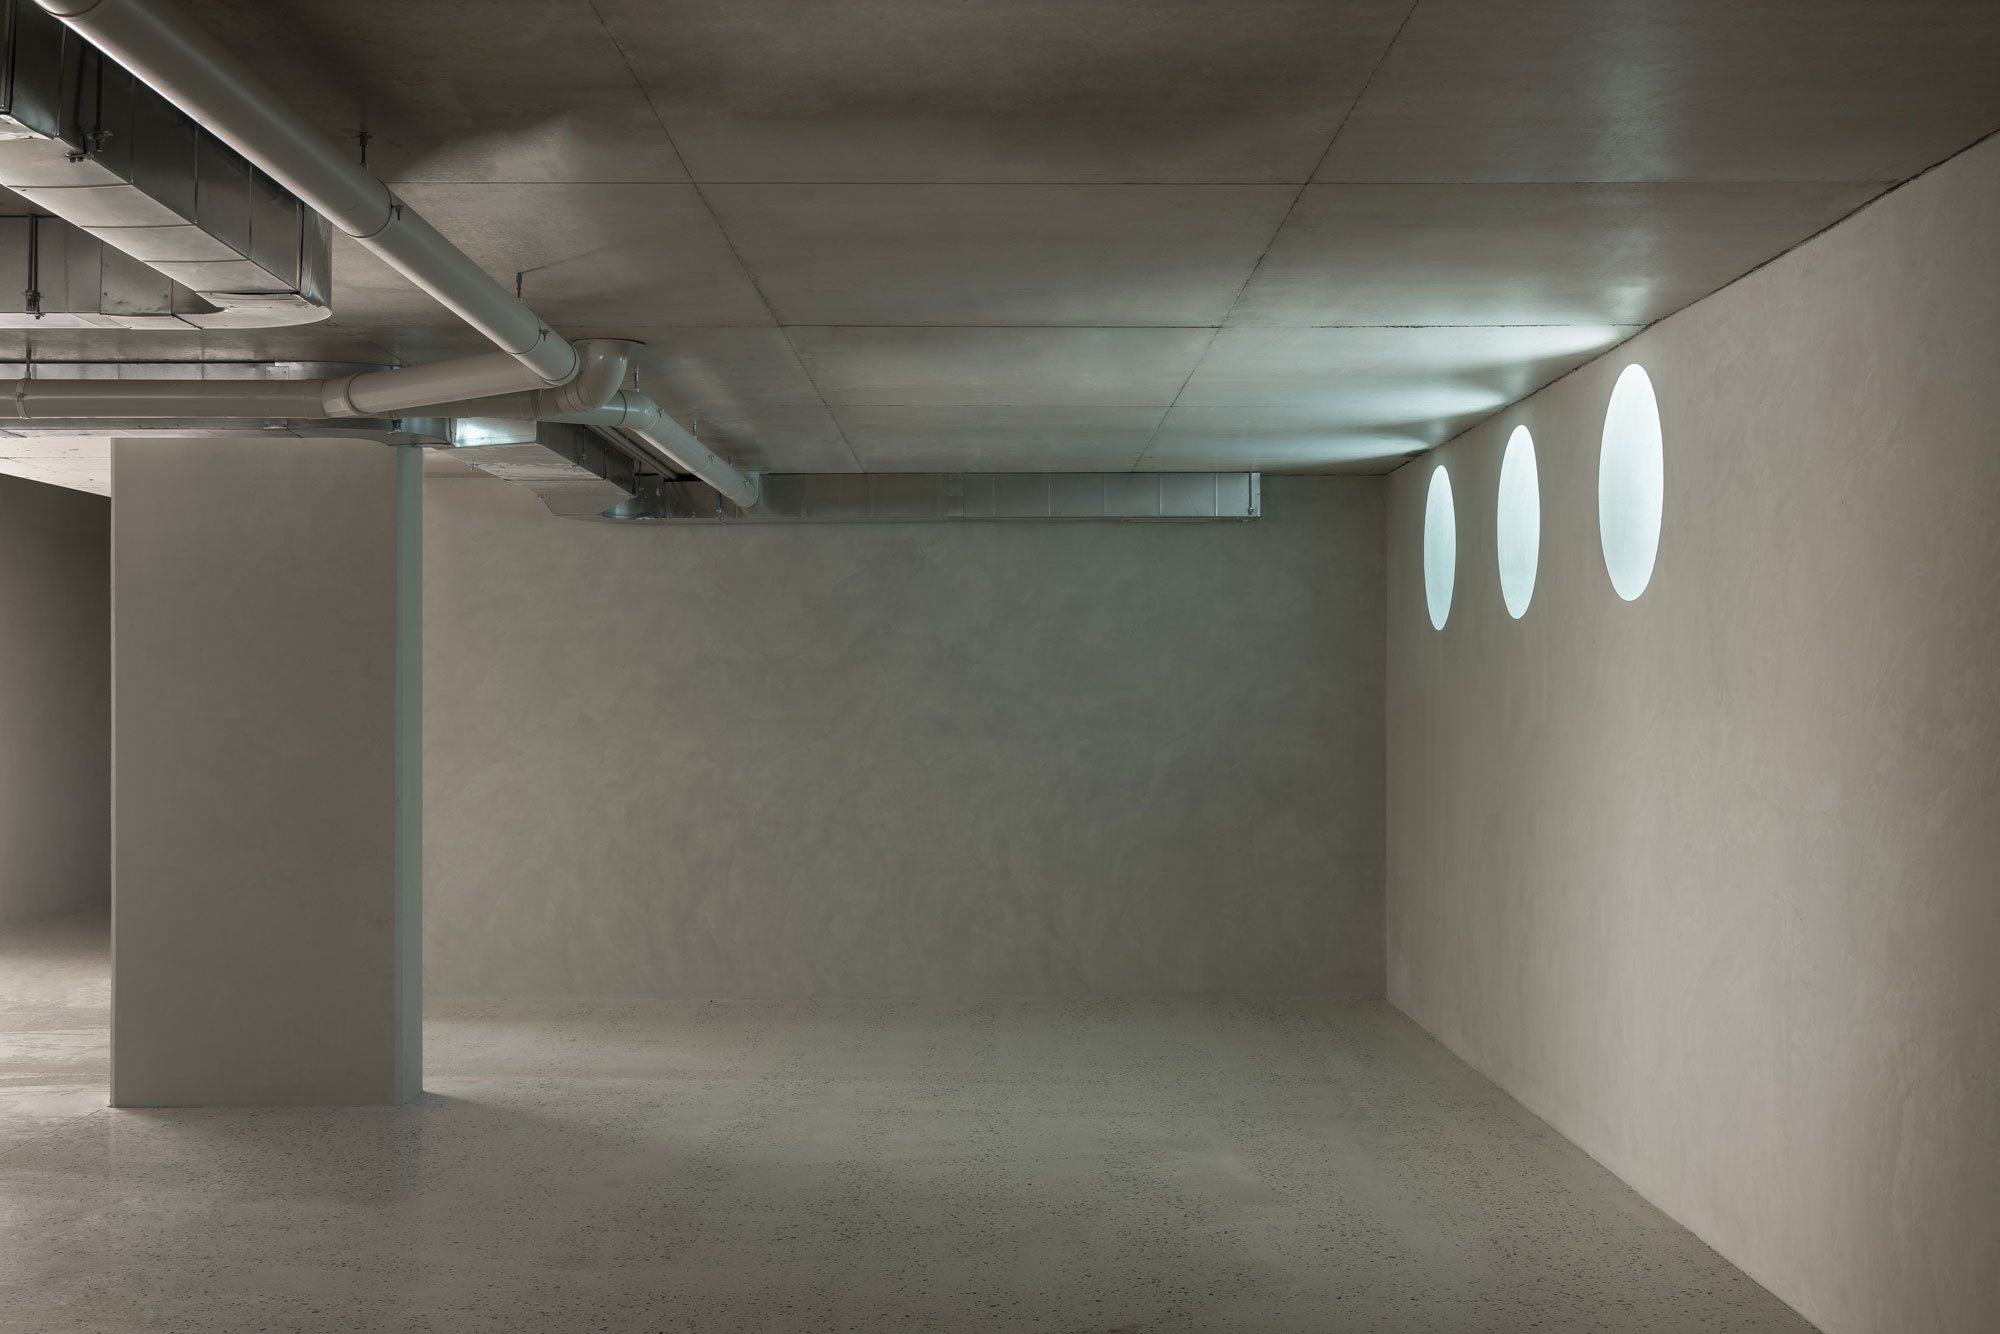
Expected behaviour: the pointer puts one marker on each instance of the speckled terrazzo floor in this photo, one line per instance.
(1074, 1168)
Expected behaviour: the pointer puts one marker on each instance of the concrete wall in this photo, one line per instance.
(55, 700)
(267, 788)
(904, 760)
(1711, 880)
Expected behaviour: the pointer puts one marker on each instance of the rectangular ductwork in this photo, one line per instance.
(576, 474)
(933, 497)
(56, 276)
(83, 139)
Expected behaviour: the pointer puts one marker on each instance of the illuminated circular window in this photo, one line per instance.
(1517, 526)
(1631, 483)
(1440, 547)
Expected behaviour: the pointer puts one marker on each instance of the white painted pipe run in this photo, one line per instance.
(189, 68)
(592, 397)
(368, 394)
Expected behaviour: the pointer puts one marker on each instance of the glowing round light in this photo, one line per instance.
(1517, 525)
(1631, 483)
(1440, 547)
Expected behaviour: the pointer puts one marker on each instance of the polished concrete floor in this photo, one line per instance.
(1073, 1168)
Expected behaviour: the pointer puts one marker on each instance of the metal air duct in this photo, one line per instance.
(83, 139)
(625, 410)
(55, 276)
(592, 398)
(929, 497)
(191, 70)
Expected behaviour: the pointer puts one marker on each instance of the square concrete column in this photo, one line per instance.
(266, 779)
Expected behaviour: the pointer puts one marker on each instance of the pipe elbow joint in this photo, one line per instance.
(602, 364)
(335, 398)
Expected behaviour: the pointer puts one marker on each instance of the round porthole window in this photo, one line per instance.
(1440, 547)
(1631, 483)
(1517, 526)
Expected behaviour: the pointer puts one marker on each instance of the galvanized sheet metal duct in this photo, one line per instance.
(195, 73)
(933, 497)
(189, 69)
(575, 474)
(82, 138)
(627, 411)
(55, 276)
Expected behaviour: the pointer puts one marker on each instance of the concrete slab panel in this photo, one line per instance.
(1310, 400)
(1027, 367)
(1354, 375)
(1036, 90)
(777, 438)
(717, 370)
(1525, 254)
(1698, 90)
(998, 439)
(1001, 254)
(77, 462)
(602, 256)
(1284, 440)
(494, 91)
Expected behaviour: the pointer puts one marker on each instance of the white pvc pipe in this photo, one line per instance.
(373, 393)
(602, 375)
(65, 400)
(591, 398)
(369, 394)
(385, 393)
(189, 68)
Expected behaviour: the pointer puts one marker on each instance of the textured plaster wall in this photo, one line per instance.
(1711, 880)
(904, 760)
(55, 700)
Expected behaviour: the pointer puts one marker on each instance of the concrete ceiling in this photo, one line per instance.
(1297, 235)
(81, 463)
